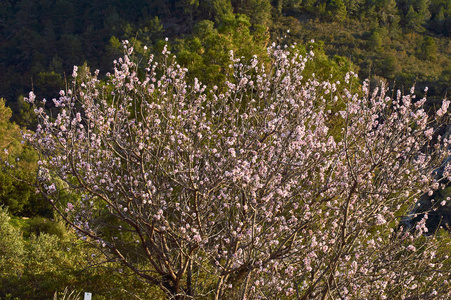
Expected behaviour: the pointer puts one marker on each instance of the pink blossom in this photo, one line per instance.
(274, 186)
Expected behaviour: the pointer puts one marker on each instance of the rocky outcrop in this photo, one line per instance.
(436, 207)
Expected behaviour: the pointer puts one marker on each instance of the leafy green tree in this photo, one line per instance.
(375, 41)
(441, 12)
(387, 13)
(427, 49)
(388, 65)
(215, 10)
(18, 195)
(11, 245)
(336, 10)
(439, 21)
(354, 7)
(206, 54)
(37, 266)
(258, 11)
(48, 83)
(422, 7)
(417, 15)
(413, 21)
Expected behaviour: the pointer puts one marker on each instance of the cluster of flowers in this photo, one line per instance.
(273, 184)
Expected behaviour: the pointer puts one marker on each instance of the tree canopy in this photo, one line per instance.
(272, 185)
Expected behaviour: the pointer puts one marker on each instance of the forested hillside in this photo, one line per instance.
(403, 41)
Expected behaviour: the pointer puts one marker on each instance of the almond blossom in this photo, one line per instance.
(272, 186)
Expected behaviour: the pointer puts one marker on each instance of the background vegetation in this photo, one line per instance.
(403, 41)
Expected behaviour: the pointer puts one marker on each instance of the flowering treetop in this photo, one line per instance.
(271, 186)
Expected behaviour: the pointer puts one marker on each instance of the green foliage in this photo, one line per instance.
(11, 245)
(389, 66)
(43, 265)
(375, 41)
(39, 225)
(336, 10)
(258, 11)
(206, 54)
(10, 132)
(46, 83)
(413, 20)
(428, 49)
(25, 117)
(15, 192)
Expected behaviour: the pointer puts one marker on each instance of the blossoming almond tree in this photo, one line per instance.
(272, 186)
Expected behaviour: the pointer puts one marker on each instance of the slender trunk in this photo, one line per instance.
(246, 286)
(189, 280)
(219, 287)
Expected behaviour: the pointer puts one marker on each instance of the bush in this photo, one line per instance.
(38, 225)
(40, 266)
